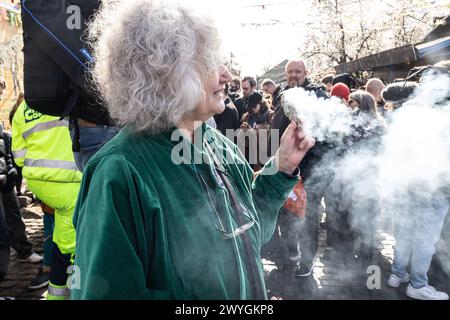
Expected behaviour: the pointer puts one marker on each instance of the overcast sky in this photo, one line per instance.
(261, 37)
(258, 36)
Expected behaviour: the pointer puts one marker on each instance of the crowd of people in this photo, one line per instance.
(139, 224)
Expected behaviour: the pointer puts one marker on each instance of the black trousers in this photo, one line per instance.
(18, 239)
(60, 264)
(4, 243)
(290, 229)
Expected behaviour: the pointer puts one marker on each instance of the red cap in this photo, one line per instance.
(340, 90)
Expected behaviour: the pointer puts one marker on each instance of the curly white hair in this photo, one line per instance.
(151, 60)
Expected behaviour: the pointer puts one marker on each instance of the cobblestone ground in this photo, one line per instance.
(21, 273)
(329, 280)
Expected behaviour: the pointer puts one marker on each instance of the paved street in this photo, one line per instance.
(331, 280)
(334, 281)
(21, 273)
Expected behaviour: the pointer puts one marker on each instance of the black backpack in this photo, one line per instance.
(56, 59)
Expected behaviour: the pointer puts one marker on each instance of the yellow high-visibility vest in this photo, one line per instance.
(41, 144)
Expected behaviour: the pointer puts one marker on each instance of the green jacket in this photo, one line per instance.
(146, 227)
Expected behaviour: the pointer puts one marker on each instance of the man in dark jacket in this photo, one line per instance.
(248, 87)
(229, 118)
(292, 227)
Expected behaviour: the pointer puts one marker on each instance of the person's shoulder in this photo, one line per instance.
(279, 119)
(278, 90)
(21, 106)
(239, 101)
(110, 159)
(231, 107)
(318, 89)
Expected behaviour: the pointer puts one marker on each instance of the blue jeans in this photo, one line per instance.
(91, 140)
(417, 231)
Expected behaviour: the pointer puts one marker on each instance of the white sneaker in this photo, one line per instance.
(425, 293)
(33, 258)
(395, 281)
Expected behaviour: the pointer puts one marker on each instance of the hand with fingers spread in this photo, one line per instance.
(294, 145)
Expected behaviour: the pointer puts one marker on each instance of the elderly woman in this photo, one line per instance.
(152, 221)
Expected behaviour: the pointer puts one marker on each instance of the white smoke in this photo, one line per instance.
(325, 120)
(379, 178)
(417, 146)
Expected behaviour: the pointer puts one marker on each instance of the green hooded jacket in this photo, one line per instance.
(148, 227)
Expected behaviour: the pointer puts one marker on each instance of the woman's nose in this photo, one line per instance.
(225, 75)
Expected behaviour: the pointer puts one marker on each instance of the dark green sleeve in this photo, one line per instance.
(112, 253)
(270, 190)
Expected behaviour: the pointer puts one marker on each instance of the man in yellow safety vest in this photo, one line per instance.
(41, 145)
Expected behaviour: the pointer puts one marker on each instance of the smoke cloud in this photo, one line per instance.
(325, 120)
(381, 177)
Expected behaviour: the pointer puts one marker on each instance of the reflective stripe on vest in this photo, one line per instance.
(19, 153)
(57, 291)
(45, 126)
(52, 164)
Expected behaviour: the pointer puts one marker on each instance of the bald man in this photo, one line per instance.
(296, 74)
(374, 86)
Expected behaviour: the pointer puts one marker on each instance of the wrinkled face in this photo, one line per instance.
(213, 101)
(295, 73)
(246, 89)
